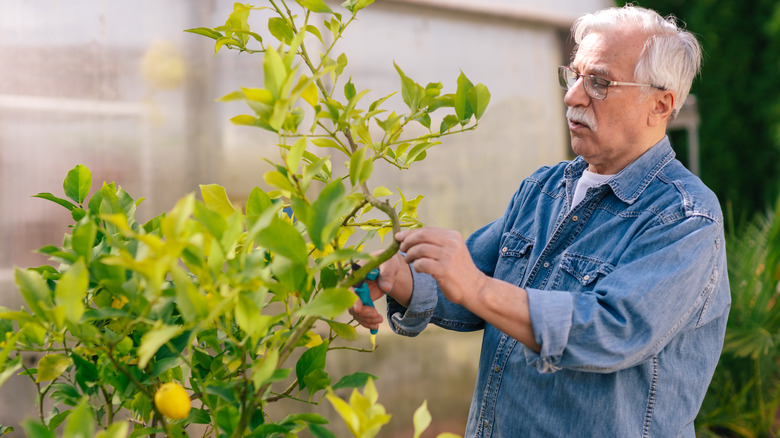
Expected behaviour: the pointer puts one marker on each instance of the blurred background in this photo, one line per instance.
(118, 87)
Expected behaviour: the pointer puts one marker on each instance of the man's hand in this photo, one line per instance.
(443, 254)
(395, 280)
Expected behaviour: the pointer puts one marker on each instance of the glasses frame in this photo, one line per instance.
(589, 82)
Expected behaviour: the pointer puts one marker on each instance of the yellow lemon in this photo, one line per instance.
(172, 401)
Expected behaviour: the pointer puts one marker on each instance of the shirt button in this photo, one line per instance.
(546, 264)
(586, 277)
(575, 218)
(497, 368)
(504, 249)
(485, 423)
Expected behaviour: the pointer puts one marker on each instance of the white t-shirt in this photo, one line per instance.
(586, 181)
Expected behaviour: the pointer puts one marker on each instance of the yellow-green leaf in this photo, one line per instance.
(346, 412)
(70, 290)
(153, 340)
(215, 197)
(309, 94)
(422, 419)
(275, 73)
(329, 303)
(263, 369)
(479, 97)
(295, 154)
(52, 366)
(258, 94)
(173, 223)
(275, 178)
(381, 191)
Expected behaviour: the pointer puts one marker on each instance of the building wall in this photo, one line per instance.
(73, 91)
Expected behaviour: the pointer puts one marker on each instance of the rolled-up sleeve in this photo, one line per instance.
(413, 320)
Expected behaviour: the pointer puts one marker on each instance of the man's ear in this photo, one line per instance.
(664, 102)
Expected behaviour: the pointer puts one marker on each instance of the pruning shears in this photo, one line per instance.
(361, 288)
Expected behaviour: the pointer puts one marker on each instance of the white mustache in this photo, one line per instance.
(581, 115)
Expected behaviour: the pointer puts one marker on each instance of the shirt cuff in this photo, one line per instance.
(412, 320)
(551, 316)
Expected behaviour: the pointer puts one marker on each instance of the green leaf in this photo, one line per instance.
(9, 369)
(326, 214)
(281, 29)
(356, 163)
(274, 178)
(257, 202)
(205, 31)
(449, 121)
(283, 238)
(215, 197)
(329, 303)
(411, 91)
(316, 380)
(115, 430)
(70, 291)
(355, 5)
(152, 340)
(311, 360)
(295, 154)
(190, 302)
(479, 97)
(34, 290)
(63, 202)
(462, 106)
(81, 423)
(34, 429)
(349, 89)
(318, 431)
(328, 143)
(344, 331)
(52, 366)
(275, 72)
(263, 369)
(77, 183)
(356, 380)
(315, 6)
(83, 240)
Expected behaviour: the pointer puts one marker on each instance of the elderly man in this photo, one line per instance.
(602, 291)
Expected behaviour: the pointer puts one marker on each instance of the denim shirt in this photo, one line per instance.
(628, 295)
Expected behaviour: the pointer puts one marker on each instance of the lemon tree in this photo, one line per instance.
(209, 312)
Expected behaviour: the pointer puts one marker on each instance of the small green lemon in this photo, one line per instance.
(172, 401)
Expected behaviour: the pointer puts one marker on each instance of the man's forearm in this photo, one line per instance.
(505, 307)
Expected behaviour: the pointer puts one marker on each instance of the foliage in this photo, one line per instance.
(240, 306)
(745, 392)
(737, 100)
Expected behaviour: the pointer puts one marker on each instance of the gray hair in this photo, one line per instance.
(671, 57)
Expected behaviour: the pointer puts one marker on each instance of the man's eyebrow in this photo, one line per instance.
(599, 71)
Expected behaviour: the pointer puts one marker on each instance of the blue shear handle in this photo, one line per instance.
(364, 294)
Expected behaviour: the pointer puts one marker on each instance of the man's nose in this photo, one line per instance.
(576, 94)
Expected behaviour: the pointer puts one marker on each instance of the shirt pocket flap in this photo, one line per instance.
(586, 270)
(515, 246)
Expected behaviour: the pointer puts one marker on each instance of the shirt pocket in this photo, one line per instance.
(580, 273)
(514, 253)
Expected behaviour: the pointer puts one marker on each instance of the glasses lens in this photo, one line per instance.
(566, 77)
(596, 87)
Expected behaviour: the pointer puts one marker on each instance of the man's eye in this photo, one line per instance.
(600, 82)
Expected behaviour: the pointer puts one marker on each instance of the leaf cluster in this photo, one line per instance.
(219, 297)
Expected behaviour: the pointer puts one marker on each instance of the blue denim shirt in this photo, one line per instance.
(628, 295)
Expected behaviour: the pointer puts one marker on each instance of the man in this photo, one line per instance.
(602, 291)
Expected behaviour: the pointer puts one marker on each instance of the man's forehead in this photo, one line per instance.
(606, 53)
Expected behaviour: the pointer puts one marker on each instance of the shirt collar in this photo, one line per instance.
(629, 183)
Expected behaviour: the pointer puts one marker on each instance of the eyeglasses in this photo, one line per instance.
(595, 86)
